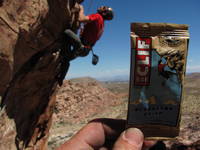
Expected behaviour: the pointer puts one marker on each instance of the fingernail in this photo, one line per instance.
(134, 136)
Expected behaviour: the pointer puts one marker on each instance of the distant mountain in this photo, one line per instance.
(194, 75)
(123, 78)
(115, 78)
(119, 78)
(83, 80)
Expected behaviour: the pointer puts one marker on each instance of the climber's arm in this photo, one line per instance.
(82, 17)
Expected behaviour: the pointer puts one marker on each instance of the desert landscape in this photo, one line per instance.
(83, 99)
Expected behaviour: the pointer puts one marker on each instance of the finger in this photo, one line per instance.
(88, 138)
(112, 127)
(94, 134)
(131, 139)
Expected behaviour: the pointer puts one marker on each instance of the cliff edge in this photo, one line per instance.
(32, 63)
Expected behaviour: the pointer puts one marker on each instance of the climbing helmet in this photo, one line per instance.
(106, 12)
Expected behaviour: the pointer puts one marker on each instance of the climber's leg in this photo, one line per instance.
(74, 39)
(78, 48)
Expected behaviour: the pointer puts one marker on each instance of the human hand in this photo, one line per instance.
(104, 134)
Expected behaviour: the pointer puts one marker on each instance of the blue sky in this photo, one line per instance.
(114, 46)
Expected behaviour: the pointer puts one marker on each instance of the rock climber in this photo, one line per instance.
(91, 31)
(89, 35)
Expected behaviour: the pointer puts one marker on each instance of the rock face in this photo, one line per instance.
(80, 99)
(31, 65)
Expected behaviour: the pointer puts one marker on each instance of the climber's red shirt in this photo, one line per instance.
(93, 30)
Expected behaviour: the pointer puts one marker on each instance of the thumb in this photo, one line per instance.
(131, 139)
